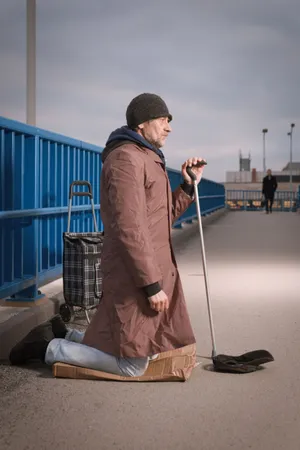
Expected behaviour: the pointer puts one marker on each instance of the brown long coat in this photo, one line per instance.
(138, 209)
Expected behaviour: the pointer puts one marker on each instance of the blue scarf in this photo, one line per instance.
(126, 134)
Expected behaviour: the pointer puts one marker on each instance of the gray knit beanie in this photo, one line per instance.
(146, 107)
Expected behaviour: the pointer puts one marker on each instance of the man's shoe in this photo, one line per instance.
(33, 345)
(58, 327)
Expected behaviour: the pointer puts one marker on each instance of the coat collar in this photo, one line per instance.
(152, 155)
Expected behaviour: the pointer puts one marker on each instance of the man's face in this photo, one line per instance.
(269, 172)
(155, 131)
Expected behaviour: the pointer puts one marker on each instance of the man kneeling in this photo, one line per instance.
(142, 312)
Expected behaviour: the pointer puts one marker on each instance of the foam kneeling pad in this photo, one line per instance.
(174, 365)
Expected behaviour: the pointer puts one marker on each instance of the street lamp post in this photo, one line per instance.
(31, 63)
(290, 134)
(264, 131)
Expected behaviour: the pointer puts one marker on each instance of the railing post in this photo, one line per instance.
(31, 233)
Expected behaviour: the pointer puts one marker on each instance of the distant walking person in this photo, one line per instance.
(268, 189)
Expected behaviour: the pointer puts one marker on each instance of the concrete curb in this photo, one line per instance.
(16, 327)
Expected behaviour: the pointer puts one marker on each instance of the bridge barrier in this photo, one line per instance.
(250, 200)
(36, 170)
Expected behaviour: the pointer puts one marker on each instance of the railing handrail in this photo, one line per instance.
(19, 127)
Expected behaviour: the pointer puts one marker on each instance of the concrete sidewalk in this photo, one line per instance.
(254, 273)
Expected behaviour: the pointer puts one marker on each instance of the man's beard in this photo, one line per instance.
(155, 143)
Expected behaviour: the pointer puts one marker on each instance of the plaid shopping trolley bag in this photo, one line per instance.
(82, 277)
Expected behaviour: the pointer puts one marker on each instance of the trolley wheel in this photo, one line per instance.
(67, 313)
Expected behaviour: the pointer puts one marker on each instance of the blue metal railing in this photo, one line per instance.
(36, 170)
(250, 200)
(211, 195)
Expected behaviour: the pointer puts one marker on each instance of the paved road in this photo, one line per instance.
(254, 272)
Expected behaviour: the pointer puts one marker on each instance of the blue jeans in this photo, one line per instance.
(71, 351)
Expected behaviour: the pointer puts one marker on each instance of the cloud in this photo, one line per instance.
(226, 70)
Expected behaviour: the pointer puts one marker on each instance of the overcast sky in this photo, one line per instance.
(226, 69)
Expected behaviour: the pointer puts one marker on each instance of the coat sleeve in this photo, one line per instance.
(124, 181)
(180, 203)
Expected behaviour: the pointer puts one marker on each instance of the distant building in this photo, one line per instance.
(245, 163)
(252, 179)
(293, 166)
